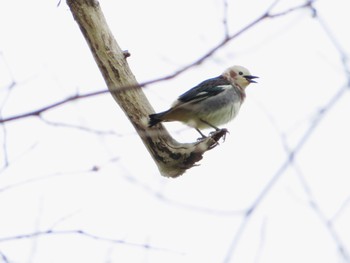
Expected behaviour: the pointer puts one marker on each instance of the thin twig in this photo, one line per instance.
(78, 127)
(197, 62)
(289, 160)
(4, 258)
(225, 20)
(50, 232)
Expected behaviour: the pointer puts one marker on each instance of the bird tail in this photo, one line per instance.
(156, 118)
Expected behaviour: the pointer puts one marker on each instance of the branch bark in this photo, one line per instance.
(172, 158)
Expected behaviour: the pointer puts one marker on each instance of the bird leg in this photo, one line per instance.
(217, 133)
(207, 123)
(203, 136)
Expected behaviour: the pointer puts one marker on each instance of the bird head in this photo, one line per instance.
(239, 76)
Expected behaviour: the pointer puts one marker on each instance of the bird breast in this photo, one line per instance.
(222, 108)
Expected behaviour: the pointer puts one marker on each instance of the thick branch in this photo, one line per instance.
(171, 157)
(198, 61)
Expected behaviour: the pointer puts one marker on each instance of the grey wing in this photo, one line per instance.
(205, 89)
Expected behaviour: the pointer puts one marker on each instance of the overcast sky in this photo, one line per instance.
(82, 172)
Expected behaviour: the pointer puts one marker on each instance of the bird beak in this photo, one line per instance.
(250, 78)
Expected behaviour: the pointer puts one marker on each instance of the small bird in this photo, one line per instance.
(211, 103)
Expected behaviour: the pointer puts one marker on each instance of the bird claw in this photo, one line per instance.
(216, 135)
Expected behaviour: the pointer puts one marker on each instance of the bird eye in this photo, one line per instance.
(240, 73)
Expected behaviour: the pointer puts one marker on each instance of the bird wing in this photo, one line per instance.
(205, 89)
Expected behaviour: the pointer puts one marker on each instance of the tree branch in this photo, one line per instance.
(201, 59)
(281, 170)
(81, 233)
(171, 157)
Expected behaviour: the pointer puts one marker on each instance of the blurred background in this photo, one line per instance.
(78, 185)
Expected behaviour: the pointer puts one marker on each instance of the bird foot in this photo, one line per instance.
(216, 135)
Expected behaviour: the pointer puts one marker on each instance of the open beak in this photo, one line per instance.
(250, 78)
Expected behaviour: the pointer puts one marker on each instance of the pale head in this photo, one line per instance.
(239, 76)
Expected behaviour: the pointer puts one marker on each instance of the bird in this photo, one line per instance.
(211, 103)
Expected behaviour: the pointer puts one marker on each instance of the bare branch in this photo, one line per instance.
(341, 209)
(171, 157)
(85, 234)
(129, 86)
(292, 153)
(4, 147)
(315, 206)
(342, 53)
(307, 4)
(8, 88)
(328, 224)
(39, 111)
(45, 177)
(4, 258)
(225, 20)
(289, 160)
(78, 127)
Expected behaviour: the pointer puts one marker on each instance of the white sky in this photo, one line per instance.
(49, 184)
